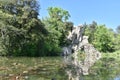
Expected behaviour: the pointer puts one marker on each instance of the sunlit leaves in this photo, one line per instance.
(103, 39)
(20, 28)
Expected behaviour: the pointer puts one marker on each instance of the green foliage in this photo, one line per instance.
(58, 14)
(20, 29)
(117, 42)
(90, 31)
(23, 34)
(103, 39)
(58, 27)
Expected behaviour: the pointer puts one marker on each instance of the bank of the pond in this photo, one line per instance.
(26, 68)
(46, 68)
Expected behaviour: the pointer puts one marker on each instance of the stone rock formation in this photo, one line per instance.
(71, 52)
(91, 55)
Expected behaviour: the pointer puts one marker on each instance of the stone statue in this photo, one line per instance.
(78, 42)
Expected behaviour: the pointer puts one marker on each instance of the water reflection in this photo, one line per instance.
(117, 77)
(104, 69)
(52, 68)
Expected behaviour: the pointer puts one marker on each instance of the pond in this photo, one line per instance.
(51, 68)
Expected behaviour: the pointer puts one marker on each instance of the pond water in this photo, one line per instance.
(51, 68)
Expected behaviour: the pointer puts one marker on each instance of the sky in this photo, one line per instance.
(102, 11)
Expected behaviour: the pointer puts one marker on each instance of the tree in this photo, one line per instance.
(104, 39)
(90, 31)
(118, 29)
(57, 25)
(21, 30)
(101, 37)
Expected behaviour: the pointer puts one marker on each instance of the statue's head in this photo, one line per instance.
(85, 37)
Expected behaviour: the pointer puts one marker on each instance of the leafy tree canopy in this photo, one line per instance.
(20, 26)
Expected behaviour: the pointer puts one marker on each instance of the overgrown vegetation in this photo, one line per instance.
(22, 33)
(102, 38)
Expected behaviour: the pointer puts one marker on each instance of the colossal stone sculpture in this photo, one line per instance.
(78, 42)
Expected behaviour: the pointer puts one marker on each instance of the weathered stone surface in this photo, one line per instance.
(78, 42)
(92, 55)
